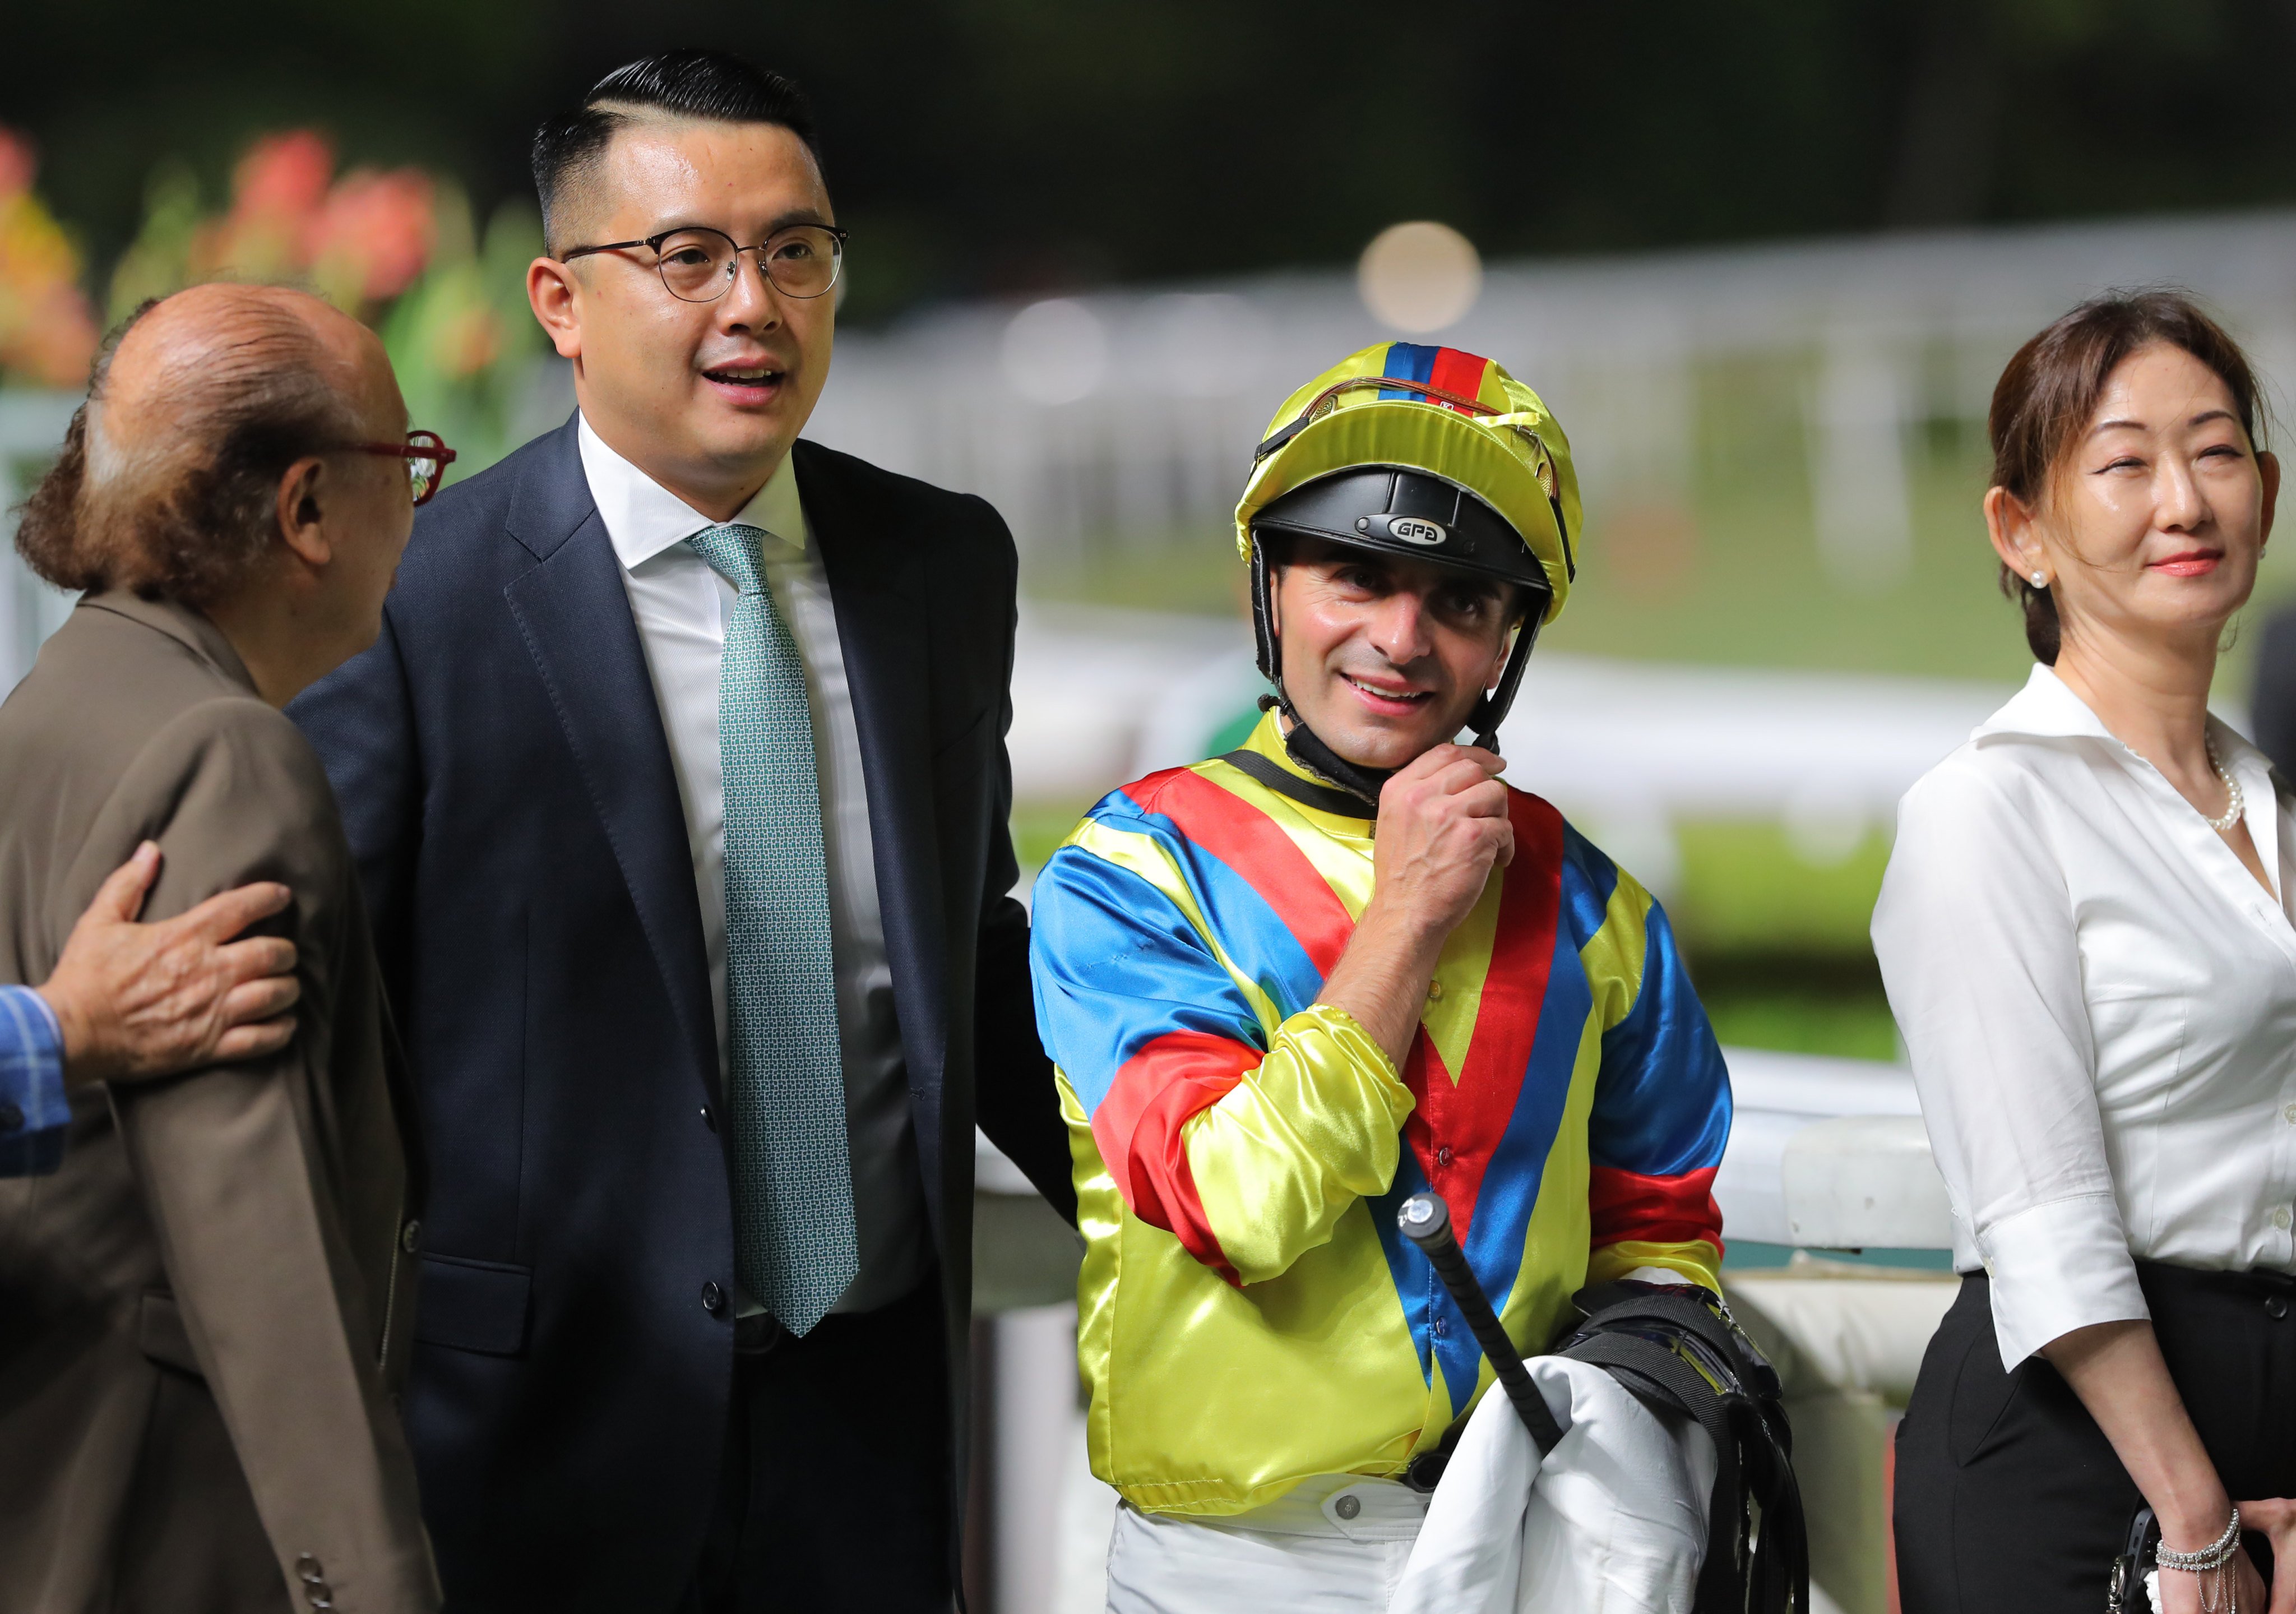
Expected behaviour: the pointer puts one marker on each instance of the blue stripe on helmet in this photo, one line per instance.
(1408, 361)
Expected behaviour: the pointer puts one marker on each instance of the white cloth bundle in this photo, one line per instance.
(1611, 1521)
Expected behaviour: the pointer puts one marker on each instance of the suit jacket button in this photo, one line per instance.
(410, 1237)
(307, 1567)
(713, 1298)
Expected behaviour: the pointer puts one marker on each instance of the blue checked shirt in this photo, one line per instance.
(33, 1109)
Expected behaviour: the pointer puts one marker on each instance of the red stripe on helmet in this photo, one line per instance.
(1460, 372)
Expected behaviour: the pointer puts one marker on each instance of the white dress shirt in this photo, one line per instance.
(680, 606)
(2099, 1001)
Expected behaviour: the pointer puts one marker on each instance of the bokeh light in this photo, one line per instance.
(1420, 277)
(1055, 351)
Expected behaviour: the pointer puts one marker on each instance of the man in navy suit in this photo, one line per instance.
(678, 783)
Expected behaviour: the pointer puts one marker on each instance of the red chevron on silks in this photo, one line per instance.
(1250, 1316)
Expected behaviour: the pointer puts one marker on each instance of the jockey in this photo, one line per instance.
(1287, 987)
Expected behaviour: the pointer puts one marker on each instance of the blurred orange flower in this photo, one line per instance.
(376, 230)
(47, 330)
(276, 188)
(283, 175)
(361, 240)
(17, 165)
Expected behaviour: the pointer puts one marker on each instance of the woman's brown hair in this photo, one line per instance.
(2046, 397)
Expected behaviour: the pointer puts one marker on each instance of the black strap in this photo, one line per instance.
(1425, 1471)
(1425, 1220)
(1306, 793)
(2122, 1595)
(1670, 1348)
(1675, 1348)
(1765, 1569)
(1307, 749)
(1679, 1309)
(1659, 1378)
(1492, 708)
(1450, 1264)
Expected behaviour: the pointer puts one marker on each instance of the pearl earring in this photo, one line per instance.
(2040, 579)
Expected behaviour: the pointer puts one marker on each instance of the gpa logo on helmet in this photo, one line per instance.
(1416, 529)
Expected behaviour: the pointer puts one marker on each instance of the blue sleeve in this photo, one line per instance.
(33, 1109)
(1662, 1105)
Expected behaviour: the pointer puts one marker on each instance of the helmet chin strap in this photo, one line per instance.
(1309, 751)
(1302, 742)
(1491, 710)
(1307, 748)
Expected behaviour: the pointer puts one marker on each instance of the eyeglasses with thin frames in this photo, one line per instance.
(427, 457)
(698, 264)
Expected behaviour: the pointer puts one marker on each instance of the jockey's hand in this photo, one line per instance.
(1442, 827)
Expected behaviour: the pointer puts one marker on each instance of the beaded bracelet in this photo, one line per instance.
(2214, 1556)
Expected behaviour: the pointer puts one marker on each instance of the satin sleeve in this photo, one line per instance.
(1661, 1112)
(1978, 951)
(1244, 1133)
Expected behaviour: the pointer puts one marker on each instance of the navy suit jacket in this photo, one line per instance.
(507, 788)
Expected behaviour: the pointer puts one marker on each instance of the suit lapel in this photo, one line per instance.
(884, 631)
(574, 614)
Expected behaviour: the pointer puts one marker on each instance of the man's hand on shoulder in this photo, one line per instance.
(1443, 826)
(145, 1000)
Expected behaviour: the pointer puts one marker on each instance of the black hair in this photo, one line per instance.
(569, 146)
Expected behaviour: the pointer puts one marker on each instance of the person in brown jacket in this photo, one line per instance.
(129, 1000)
(205, 1309)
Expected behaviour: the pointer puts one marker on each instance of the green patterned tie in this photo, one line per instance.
(794, 1241)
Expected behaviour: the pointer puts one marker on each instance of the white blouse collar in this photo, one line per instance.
(2046, 708)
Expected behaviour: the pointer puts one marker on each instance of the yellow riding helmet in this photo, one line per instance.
(1452, 417)
(1430, 453)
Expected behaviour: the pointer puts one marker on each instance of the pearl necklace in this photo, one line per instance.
(2236, 805)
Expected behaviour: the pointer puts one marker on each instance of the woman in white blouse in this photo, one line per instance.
(2086, 934)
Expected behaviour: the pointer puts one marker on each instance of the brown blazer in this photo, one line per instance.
(206, 1313)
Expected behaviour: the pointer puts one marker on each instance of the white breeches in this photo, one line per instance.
(1336, 1544)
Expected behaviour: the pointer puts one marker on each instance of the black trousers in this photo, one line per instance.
(2009, 1496)
(834, 1492)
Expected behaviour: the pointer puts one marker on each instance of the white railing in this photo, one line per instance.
(1131, 415)
(1127, 418)
(31, 425)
